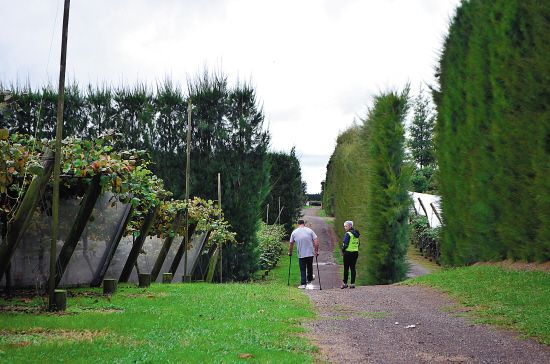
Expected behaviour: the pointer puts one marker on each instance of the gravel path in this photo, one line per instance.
(373, 324)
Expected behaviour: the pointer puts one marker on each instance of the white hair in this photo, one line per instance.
(349, 223)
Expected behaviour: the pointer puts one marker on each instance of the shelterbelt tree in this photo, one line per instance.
(493, 132)
(285, 190)
(388, 181)
(227, 138)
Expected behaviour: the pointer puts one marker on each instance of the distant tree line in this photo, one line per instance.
(228, 137)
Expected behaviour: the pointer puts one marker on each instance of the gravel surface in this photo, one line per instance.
(402, 324)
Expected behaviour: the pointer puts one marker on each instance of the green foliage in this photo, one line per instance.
(420, 140)
(519, 300)
(493, 132)
(160, 325)
(344, 192)
(286, 185)
(227, 137)
(424, 238)
(424, 180)
(124, 173)
(270, 238)
(387, 188)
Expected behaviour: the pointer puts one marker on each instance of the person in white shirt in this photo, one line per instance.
(307, 246)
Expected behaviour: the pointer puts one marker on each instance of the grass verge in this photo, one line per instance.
(414, 256)
(191, 323)
(519, 300)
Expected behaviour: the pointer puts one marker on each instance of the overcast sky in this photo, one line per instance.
(316, 64)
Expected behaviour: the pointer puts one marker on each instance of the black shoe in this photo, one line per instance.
(344, 285)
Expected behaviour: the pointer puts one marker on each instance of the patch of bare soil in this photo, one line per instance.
(144, 294)
(26, 337)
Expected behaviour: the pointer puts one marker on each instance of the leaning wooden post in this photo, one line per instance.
(113, 245)
(138, 244)
(212, 265)
(436, 213)
(84, 213)
(57, 164)
(199, 250)
(20, 222)
(187, 174)
(425, 211)
(166, 248)
(180, 251)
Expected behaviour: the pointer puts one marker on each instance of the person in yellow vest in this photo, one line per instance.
(350, 251)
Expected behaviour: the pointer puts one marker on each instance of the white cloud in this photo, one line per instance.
(315, 64)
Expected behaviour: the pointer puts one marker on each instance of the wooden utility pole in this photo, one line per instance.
(57, 159)
(187, 173)
(220, 217)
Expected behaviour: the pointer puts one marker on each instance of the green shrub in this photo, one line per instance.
(270, 246)
(426, 239)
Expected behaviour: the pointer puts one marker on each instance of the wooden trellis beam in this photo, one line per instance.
(166, 247)
(84, 213)
(113, 245)
(138, 244)
(425, 211)
(181, 250)
(20, 222)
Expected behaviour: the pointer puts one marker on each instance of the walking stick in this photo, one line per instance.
(318, 275)
(289, 264)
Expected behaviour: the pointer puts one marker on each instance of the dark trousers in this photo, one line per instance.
(306, 264)
(350, 258)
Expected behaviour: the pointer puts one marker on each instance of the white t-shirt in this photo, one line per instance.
(303, 237)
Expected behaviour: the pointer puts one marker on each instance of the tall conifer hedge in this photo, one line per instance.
(387, 190)
(344, 194)
(493, 132)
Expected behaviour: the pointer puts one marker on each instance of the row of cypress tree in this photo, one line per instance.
(367, 182)
(493, 132)
(228, 137)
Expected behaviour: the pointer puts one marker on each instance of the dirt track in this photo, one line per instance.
(369, 324)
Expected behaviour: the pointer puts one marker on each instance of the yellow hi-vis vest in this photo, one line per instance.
(353, 245)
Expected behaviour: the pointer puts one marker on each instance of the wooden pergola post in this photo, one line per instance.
(20, 222)
(84, 213)
(138, 244)
(166, 248)
(180, 252)
(113, 245)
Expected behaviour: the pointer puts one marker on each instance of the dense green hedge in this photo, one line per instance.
(367, 182)
(344, 191)
(388, 182)
(493, 132)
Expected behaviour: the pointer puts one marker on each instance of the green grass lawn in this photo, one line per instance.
(192, 323)
(516, 299)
